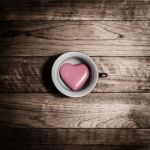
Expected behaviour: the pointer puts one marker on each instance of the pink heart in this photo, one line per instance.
(74, 76)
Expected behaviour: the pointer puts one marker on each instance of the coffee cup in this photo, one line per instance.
(83, 65)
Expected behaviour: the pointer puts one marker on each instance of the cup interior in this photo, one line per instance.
(74, 61)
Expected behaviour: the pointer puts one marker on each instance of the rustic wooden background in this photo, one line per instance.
(115, 33)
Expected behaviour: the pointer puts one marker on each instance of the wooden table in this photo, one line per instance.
(34, 115)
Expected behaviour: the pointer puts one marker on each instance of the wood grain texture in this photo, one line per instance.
(38, 146)
(75, 10)
(32, 32)
(33, 74)
(97, 110)
(96, 38)
(110, 137)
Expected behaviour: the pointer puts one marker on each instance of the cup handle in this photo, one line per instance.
(103, 75)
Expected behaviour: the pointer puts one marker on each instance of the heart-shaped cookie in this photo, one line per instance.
(74, 76)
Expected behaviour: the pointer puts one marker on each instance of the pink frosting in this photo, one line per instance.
(74, 76)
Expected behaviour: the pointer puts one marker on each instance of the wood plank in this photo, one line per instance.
(96, 38)
(110, 137)
(75, 10)
(97, 110)
(18, 146)
(33, 74)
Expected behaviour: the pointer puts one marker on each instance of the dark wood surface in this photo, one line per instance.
(34, 115)
(75, 10)
(89, 139)
(97, 110)
(95, 38)
(134, 137)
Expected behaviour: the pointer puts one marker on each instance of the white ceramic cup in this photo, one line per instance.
(74, 58)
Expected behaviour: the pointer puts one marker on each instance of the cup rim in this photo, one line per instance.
(85, 58)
